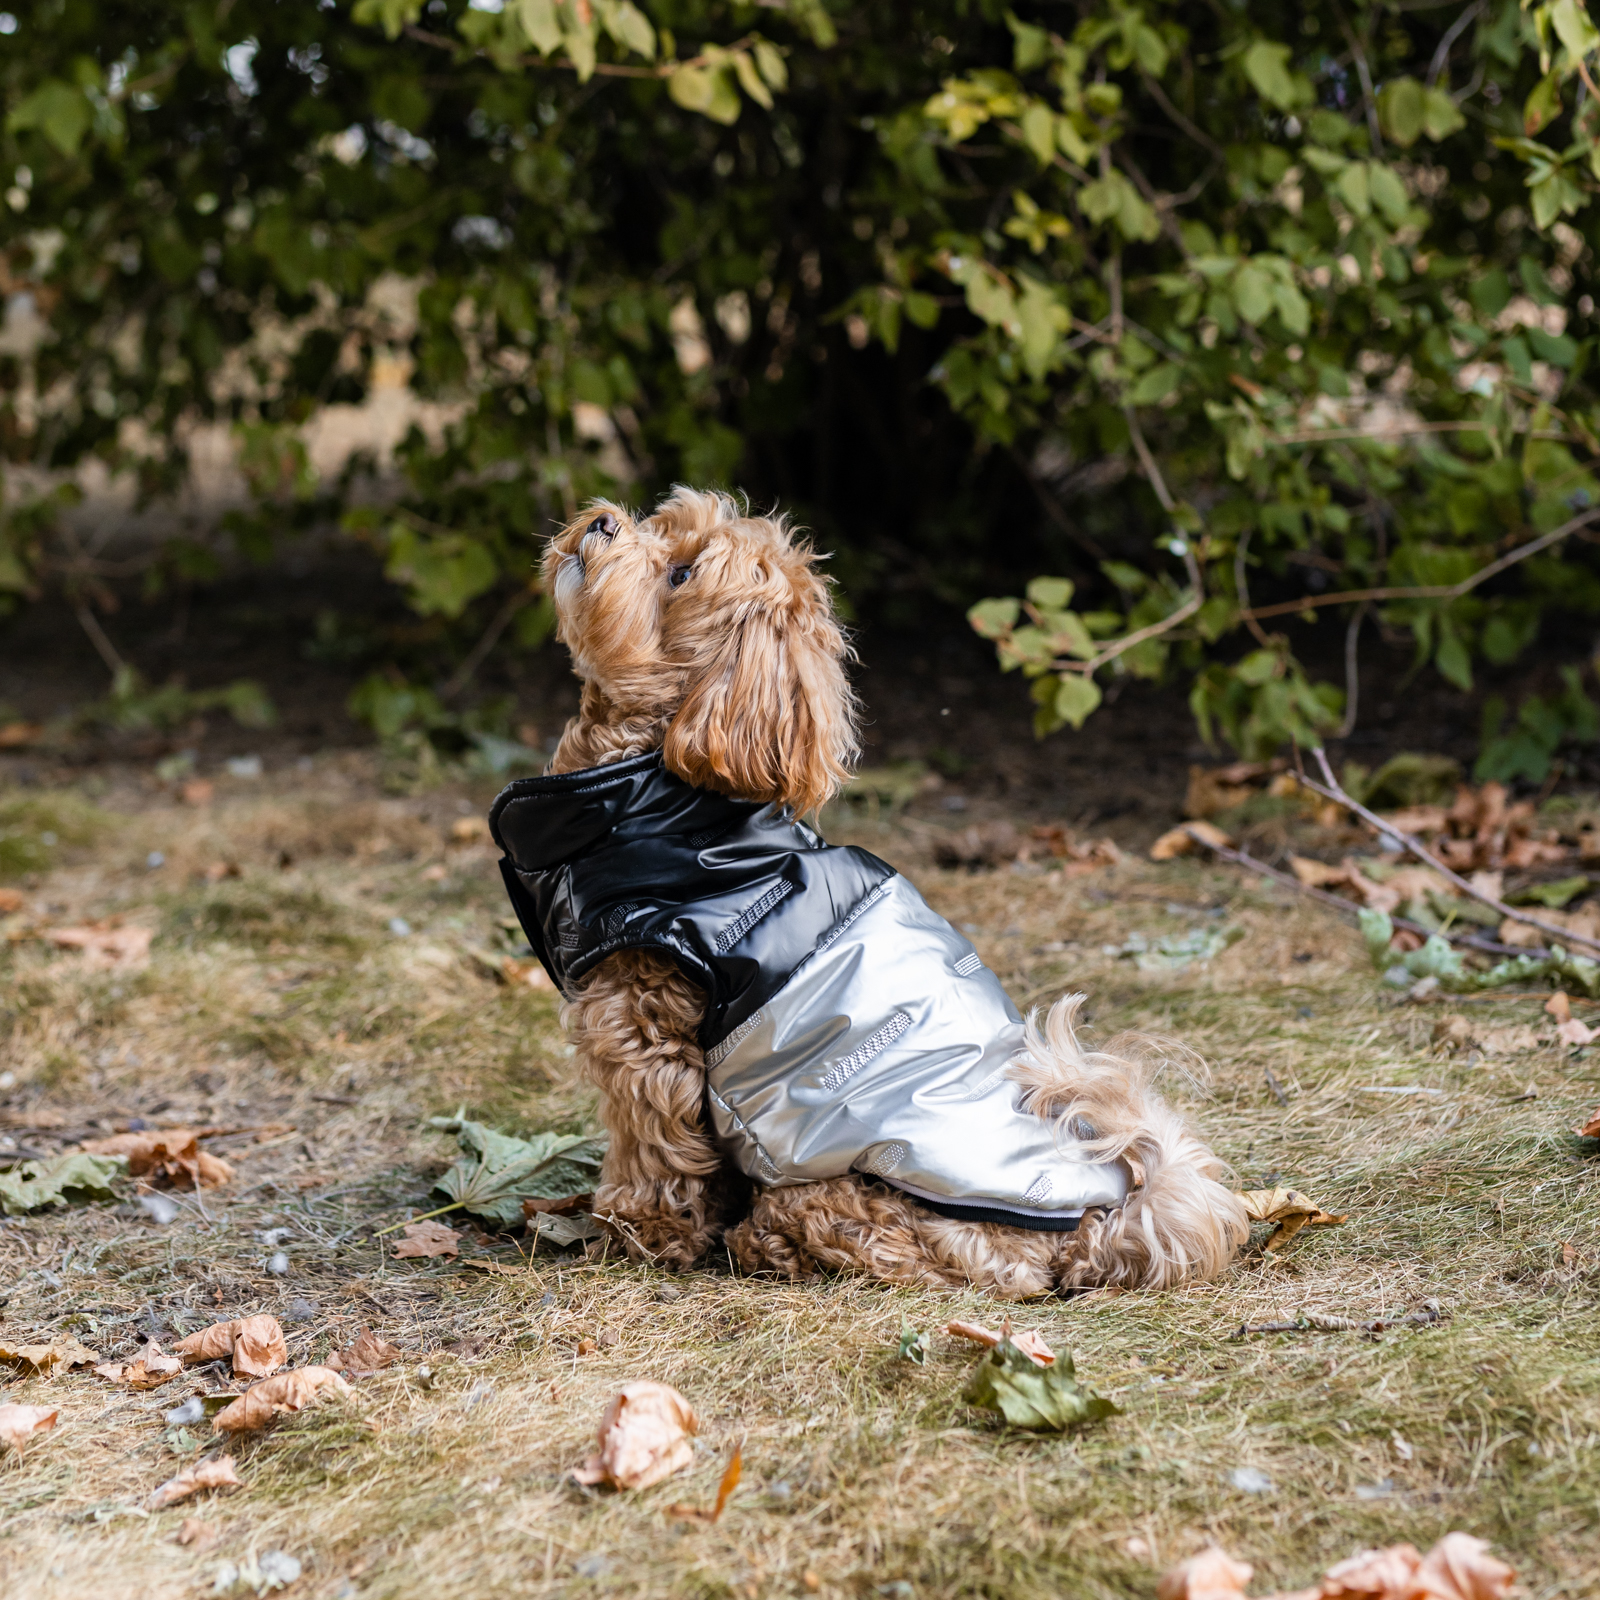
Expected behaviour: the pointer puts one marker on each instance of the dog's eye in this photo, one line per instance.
(678, 574)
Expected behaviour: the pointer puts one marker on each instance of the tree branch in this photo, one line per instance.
(1053, 507)
(1330, 789)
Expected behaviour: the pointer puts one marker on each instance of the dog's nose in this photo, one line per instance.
(605, 525)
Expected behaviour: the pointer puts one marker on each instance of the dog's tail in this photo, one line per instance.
(1180, 1222)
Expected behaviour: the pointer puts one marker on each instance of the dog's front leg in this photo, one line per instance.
(635, 1022)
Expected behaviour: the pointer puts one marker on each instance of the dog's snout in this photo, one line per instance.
(605, 526)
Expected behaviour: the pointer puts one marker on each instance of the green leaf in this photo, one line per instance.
(1043, 1399)
(1051, 594)
(1388, 192)
(1039, 131)
(498, 1172)
(1077, 697)
(994, 618)
(1543, 105)
(1570, 19)
(770, 62)
(1554, 895)
(632, 29)
(60, 112)
(1030, 44)
(1453, 661)
(390, 15)
(60, 1181)
(1156, 384)
(1352, 187)
(1441, 116)
(750, 80)
(1043, 320)
(1252, 293)
(913, 1346)
(444, 572)
(1402, 111)
(1257, 668)
(1266, 65)
(541, 24)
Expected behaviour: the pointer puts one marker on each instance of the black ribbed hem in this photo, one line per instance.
(963, 1211)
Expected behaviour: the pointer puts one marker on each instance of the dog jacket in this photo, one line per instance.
(847, 1026)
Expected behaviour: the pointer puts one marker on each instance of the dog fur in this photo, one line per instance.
(708, 634)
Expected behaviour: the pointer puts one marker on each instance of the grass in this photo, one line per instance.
(282, 997)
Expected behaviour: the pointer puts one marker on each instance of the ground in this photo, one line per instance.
(327, 1001)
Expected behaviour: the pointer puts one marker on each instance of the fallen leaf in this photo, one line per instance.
(730, 1482)
(1574, 1034)
(1459, 1567)
(11, 900)
(913, 1346)
(1182, 841)
(564, 1206)
(1513, 1039)
(288, 1391)
(1290, 1210)
(561, 1230)
(13, 735)
(217, 1473)
(150, 1370)
(525, 972)
(587, 1347)
(643, 1437)
(18, 1424)
(1375, 1572)
(197, 1532)
(497, 1172)
(1569, 1253)
(105, 948)
(255, 1343)
(1316, 875)
(428, 1239)
(47, 1359)
(1028, 1342)
(1027, 1395)
(468, 830)
(1559, 1006)
(197, 792)
(75, 1176)
(1211, 1575)
(367, 1352)
(218, 870)
(171, 1153)
(1589, 1128)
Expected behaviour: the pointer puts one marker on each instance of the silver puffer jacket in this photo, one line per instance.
(847, 1027)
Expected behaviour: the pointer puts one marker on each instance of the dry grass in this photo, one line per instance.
(283, 997)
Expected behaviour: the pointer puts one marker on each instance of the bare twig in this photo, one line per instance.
(1241, 588)
(1331, 789)
(1436, 591)
(100, 639)
(1148, 461)
(1316, 1322)
(1406, 429)
(1352, 670)
(1441, 56)
(1474, 941)
(1368, 94)
(1198, 134)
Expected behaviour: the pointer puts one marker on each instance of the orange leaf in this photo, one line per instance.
(255, 1343)
(289, 1391)
(18, 1424)
(216, 1473)
(172, 1153)
(1028, 1342)
(643, 1437)
(368, 1352)
(1211, 1575)
(428, 1239)
(730, 1482)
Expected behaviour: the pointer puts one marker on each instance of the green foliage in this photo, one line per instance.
(497, 1172)
(68, 1179)
(1543, 725)
(1266, 306)
(1045, 1399)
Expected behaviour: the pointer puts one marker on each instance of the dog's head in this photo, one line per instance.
(717, 625)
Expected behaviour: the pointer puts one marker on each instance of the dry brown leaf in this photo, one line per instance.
(1589, 1128)
(197, 1532)
(13, 735)
(289, 1391)
(1559, 1006)
(46, 1359)
(1290, 1210)
(501, 1269)
(1510, 1040)
(428, 1239)
(1028, 1342)
(197, 792)
(730, 1481)
(152, 1368)
(171, 1153)
(1182, 841)
(255, 1343)
(1318, 874)
(1378, 1573)
(1460, 1567)
(218, 870)
(1574, 1034)
(104, 946)
(368, 1352)
(566, 1204)
(11, 900)
(1211, 1575)
(18, 1424)
(1419, 820)
(525, 973)
(216, 1473)
(468, 830)
(643, 1437)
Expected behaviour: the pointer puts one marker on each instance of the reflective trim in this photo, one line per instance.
(848, 1066)
(719, 1053)
(751, 915)
(967, 965)
(1038, 1192)
(884, 1161)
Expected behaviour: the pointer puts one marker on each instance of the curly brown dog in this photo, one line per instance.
(1018, 1160)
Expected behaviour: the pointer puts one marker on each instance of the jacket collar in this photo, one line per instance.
(542, 822)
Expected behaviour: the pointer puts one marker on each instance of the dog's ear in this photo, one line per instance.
(768, 713)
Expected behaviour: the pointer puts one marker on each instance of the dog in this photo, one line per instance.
(798, 1062)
